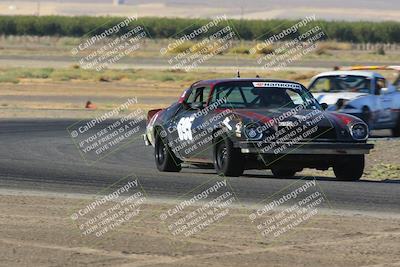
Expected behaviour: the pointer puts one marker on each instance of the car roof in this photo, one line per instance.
(368, 74)
(223, 80)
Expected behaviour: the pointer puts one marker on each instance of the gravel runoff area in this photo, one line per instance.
(37, 231)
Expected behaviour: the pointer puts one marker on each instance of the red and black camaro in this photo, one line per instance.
(241, 124)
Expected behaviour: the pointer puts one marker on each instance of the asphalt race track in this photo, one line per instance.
(40, 155)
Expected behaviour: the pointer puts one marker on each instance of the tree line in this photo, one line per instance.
(85, 26)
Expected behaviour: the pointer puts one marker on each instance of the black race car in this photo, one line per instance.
(240, 124)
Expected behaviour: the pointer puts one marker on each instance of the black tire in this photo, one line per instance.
(283, 173)
(165, 160)
(349, 168)
(228, 161)
(396, 129)
(367, 116)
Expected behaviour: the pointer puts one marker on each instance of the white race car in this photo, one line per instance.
(363, 93)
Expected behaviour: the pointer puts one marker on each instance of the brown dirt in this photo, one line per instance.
(383, 162)
(37, 231)
(34, 99)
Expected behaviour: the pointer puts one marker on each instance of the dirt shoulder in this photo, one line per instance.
(382, 164)
(37, 231)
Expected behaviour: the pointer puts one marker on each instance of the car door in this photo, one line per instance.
(385, 102)
(186, 124)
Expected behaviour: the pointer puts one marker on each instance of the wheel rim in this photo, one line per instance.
(222, 154)
(160, 152)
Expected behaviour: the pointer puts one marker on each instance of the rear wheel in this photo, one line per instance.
(350, 168)
(283, 173)
(228, 161)
(165, 160)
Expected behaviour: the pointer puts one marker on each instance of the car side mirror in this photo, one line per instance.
(384, 90)
(324, 106)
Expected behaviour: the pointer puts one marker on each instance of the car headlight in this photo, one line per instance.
(359, 131)
(252, 131)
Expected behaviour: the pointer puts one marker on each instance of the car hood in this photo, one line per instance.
(332, 98)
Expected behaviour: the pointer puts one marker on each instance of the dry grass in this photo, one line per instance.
(61, 46)
(241, 49)
(27, 93)
(201, 47)
(333, 45)
(265, 50)
(74, 73)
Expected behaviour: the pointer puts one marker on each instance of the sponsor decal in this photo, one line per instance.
(278, 85)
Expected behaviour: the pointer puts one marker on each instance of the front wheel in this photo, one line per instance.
(366, 115)
(228, 161)
(349, 168)
(165, 160)
(396, 129)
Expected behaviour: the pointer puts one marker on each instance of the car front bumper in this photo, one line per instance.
(306, 148)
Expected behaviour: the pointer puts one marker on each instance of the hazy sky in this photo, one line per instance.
(253, 4)
(258, 9)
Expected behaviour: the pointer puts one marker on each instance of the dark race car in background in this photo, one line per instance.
(240, 124)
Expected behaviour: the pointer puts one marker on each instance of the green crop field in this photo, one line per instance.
(356, 32)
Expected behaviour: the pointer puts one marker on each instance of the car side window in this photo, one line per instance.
(322, 84)
(199, 95)
(379, 84)
(206, 94)
(190, 99)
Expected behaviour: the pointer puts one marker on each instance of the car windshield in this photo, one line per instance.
(271, 95)
(342, 83)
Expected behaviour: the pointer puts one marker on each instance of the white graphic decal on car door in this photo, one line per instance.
(184, 128)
